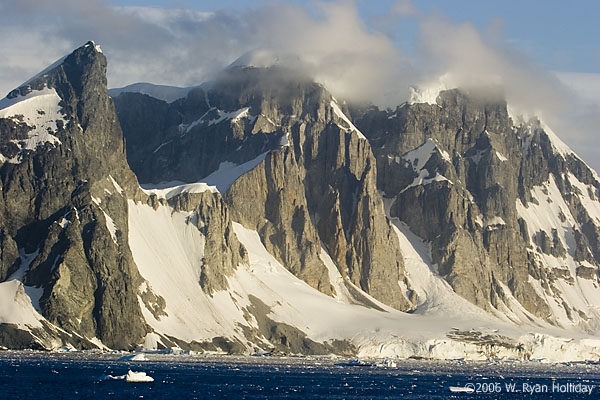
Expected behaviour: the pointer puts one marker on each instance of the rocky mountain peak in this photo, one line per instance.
(265, 89)
(64, 180)
(474, 203)
(78, 67)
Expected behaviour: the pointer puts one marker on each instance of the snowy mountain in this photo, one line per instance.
(271, 217)
(501, 201)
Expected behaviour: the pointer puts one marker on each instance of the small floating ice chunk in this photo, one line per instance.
(138, 377)
(461, 389)
(131, 376)
(111, 377)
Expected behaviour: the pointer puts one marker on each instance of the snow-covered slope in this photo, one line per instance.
(551, 216)
(340, 114)
(168, 249)
(220, 180)
(16, 306)
(416, 159)
(41, 111)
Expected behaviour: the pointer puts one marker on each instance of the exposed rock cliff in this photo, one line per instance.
(66, 190)
(315, 187)
(61, 204)
(494, 197)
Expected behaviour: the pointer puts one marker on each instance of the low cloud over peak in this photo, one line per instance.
(330, 41)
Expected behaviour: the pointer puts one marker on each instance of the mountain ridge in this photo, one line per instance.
(309, 204)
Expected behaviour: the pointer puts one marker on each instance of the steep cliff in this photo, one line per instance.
(64, 181)
(312, 185)
(499, 199)
(66, 194)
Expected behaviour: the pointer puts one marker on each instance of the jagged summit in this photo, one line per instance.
(46, 78)
(60, 90)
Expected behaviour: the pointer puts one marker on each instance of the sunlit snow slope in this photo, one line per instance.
(168, 248)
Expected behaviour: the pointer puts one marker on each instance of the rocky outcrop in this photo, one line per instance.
(316, 186)
(270, 199)
(460, 173)
(64, 210)
(9, 255)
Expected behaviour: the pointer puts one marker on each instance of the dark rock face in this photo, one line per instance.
(317, 184)
(283, 223)
(451, 186)
(9, 255)
(59, 204)
(456, 172)
(187, 140)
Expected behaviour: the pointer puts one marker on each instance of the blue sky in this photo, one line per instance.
(558, 35)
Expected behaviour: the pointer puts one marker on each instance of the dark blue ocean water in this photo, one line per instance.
(28, 375)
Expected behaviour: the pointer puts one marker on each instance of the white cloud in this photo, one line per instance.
(470, 59)
(184, 47)
(587, 85)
